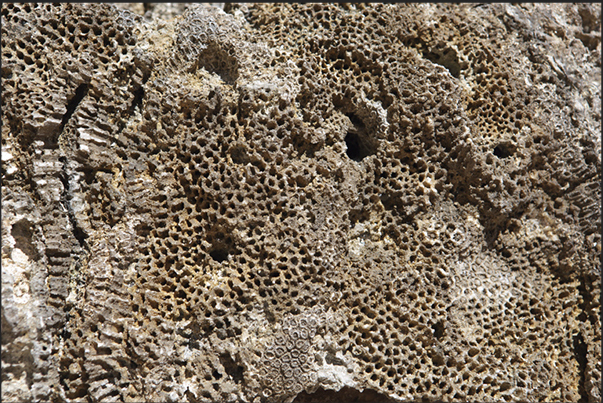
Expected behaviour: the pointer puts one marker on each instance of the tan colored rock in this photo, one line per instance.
(301, 202)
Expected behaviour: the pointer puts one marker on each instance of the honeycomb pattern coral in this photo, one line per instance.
(282, 202)
(287, 363)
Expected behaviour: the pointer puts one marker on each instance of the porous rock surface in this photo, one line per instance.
(301, 202)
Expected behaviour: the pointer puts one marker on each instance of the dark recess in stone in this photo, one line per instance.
(22, 233)
(446, 58)
(73, 103)
(438, 330)
(503, 150)
(137, 102)
(219, 255)
(353, 143)
(359, 145)
(232, 368)
(78, 233)
(239, 155)
(581, 352)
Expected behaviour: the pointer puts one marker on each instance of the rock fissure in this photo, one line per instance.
(78, 232)
(80, 93)
(581, 352)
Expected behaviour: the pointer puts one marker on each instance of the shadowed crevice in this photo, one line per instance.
(73, 103)
(580, 352)
(66, 197)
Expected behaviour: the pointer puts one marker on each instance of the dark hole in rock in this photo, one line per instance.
(438, 330)
(239, 155)
(73, 103)
(581, 351)
(232, 368)
(23, 234)
(358, 216)
(359, 144)
(353, 143)
(446, 58)
(332, 359)
(219, 255)
(504, 150)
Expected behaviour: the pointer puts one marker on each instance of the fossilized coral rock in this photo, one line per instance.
(286, 202)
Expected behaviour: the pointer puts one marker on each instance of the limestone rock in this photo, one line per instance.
(301, 202)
